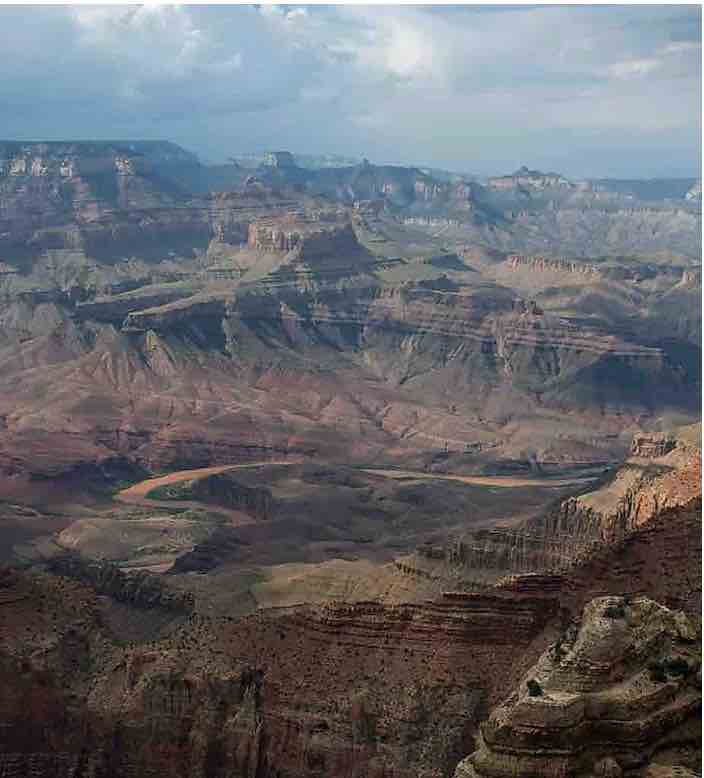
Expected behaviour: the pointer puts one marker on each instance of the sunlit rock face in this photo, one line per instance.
(601, 701)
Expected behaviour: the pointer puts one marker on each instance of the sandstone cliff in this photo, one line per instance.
(604, 700)
(367, 689)
(664, 471)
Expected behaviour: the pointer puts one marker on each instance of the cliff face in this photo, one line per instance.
(274, 695)
(90, 194)
(663, 472)
(603, 700)
(366, 689)
(118, 273)
(513, 338)
(113, 200)
(322, 317)
(541, 264)
(312, 250)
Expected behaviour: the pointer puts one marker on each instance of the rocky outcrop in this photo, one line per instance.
(635, 494)
(529, 179)
(114, 308)
(601, 701)
(652, 446)
(549, 265)
(313, 246)
(163, 318)
(623, 501)
(367, 689)
(273, 236)
(224, 489)
(140, 589)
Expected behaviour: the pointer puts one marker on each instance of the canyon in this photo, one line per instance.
(367, 689)
(345, 469)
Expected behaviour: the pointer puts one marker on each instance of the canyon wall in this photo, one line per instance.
(602, 701)
(365, 689)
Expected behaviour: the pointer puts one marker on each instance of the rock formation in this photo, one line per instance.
(545, 264)
(602, 700)
(662, 473)
(367, 689)
(529, 179)
(158, 314)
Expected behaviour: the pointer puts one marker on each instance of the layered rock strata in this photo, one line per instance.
(603, 700)
(367, 689)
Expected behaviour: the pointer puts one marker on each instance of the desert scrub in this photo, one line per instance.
(534, 688)
(671, 667)
(615, 612)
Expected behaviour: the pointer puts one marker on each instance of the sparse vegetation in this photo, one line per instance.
(677, 667)
(657, 672)
(615, 612)
(671, 667)
(177, 491)
(534, 688)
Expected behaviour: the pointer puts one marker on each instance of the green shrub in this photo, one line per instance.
(559, 651)
(678, 666)
(534, 688)
(615, 612)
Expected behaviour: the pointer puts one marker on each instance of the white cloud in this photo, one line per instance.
(682, 47)
(634, 68)
(464, 86)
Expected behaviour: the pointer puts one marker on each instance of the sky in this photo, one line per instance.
(587, 91)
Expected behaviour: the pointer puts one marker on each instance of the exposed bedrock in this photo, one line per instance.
(542, 264)
(140, 590)
(624, 501)
(366, 689)
(645, 485)
(405, 344)
(601, 701)
(487, 331)
(197, 310)
(114, 308)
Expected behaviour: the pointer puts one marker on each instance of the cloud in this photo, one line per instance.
(600, 90)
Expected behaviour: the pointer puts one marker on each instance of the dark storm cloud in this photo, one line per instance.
(590, 90)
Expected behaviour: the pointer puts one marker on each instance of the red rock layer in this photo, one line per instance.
(362, 690)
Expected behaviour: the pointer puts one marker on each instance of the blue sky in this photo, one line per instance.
(585, 90)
